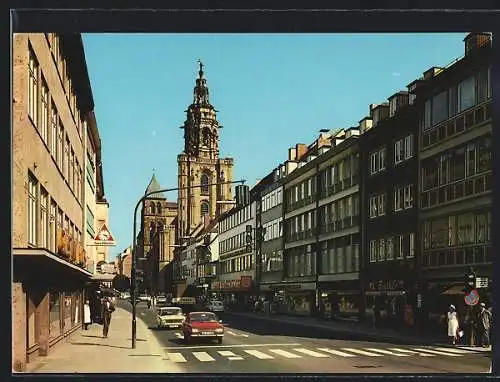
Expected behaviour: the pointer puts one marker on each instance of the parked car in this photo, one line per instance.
(202, 325)
(144, 297)
(169, 317)
(125, 295)
(215, 306)
(161, 299)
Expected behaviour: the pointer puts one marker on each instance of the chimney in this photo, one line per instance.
(365, 124)
(301, 150)
(292, 153)
(476, 40)
(206, 221)
(432, 72)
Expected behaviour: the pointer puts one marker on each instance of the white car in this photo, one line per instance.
(215, 306)
(169, 317)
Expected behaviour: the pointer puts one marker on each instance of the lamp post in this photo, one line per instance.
(134, 246)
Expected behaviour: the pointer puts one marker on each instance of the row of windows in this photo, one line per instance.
(236, 218)
(377, 205)
(403, 150)
(342, 171)
(273, 229)
(457, 230)
(272, 261)
(154, 208)
(458, 163)
(340, 255)
(339, 210)
(44, 216)
(468, 93)
(458, 256)
(67, 84)
(300, 261)
(273, 199)
(301, 191)
(235, 242)
(390, 248)
(237, 264)
(45, 117)
(301, 223)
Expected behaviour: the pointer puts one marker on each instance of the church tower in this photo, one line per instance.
(199, 164)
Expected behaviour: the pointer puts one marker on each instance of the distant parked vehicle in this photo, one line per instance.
(215, 306)
(169, 317)
(161, 299)
(144, 297)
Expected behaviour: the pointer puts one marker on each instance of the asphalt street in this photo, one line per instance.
(256, 346)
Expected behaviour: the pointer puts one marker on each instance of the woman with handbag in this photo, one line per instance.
(453, 327)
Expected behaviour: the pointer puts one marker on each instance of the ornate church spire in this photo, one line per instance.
(201, 89)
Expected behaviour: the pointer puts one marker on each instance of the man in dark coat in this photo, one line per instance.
(107, 308)
(485, 321)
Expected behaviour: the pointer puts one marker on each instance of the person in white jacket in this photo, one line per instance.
(87, 320)
(452, 324)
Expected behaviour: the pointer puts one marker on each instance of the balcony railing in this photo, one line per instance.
(457, 124)
(339, 186)
(461, 189)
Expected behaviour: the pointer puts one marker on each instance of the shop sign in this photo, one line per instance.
(386, 285)
(245, 282)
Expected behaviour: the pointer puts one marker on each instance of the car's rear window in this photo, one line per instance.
(170, 311)
(202, 317)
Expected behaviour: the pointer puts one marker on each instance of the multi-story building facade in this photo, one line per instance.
(53, 123)
(389, 185)
(455, 169)
(270, 243)
(207, 256)
(321, 213)
(200, 164)
(236, 266)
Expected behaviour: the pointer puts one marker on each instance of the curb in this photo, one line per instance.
(359, 335)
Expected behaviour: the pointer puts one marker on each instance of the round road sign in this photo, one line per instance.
(472, 298)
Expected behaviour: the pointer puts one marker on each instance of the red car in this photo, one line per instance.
(202, 325)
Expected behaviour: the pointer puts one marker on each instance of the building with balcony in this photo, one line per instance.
(54, 128)
(455, 170)
(321, 214)
(236, 267)
(389, 206)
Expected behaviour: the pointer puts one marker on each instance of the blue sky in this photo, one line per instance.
(271, 90)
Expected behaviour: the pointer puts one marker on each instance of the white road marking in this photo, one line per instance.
(176, 357)
(457, 351)
(437, 352)
(203, 356)
(237, 334)
(284, 353)
(311, 353)
(362, 352)
(259, 354)
(337, 352)
(383, 351)
(412, 352)
(230, 346)
(179, 335)
(230, 354)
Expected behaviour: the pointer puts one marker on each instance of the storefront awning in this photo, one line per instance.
(103, 277)
(36, 262)
(454, 290)
(385, 293)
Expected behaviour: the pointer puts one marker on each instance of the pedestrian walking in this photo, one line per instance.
(453, 326)
(107, 309)
(485, 321)
(87, 319)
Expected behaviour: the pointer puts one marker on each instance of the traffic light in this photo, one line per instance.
(470, 281)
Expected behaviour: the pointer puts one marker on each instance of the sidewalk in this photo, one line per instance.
(357, 329)
(88, 352)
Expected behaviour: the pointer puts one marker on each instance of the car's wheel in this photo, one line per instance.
(219, 340)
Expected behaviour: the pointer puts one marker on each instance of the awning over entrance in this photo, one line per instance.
(454, 290)
(38, 263)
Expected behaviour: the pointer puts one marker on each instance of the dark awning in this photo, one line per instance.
(454, 290)
(38, 263)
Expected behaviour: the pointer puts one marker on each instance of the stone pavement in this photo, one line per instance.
(88, 352)
(357, 328)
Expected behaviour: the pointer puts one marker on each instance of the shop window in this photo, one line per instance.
(54, 314)
(459, 256)
(479, 255)
(469, 256)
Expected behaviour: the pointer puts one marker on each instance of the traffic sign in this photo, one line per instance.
(481, 282)
(472, 298)
(104, 237)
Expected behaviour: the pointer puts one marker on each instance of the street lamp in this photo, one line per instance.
(134, 259)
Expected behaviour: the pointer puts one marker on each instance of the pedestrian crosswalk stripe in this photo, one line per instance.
(259, 354)
(179, 335)
(437, 352)
(284, 353)
(230, 355)
(311, 353)
(412, 352)
(362, 352)
(450, 350)
(203, 356)
(237, 334)
(383, 351)
(176, 357)
(337, 352)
